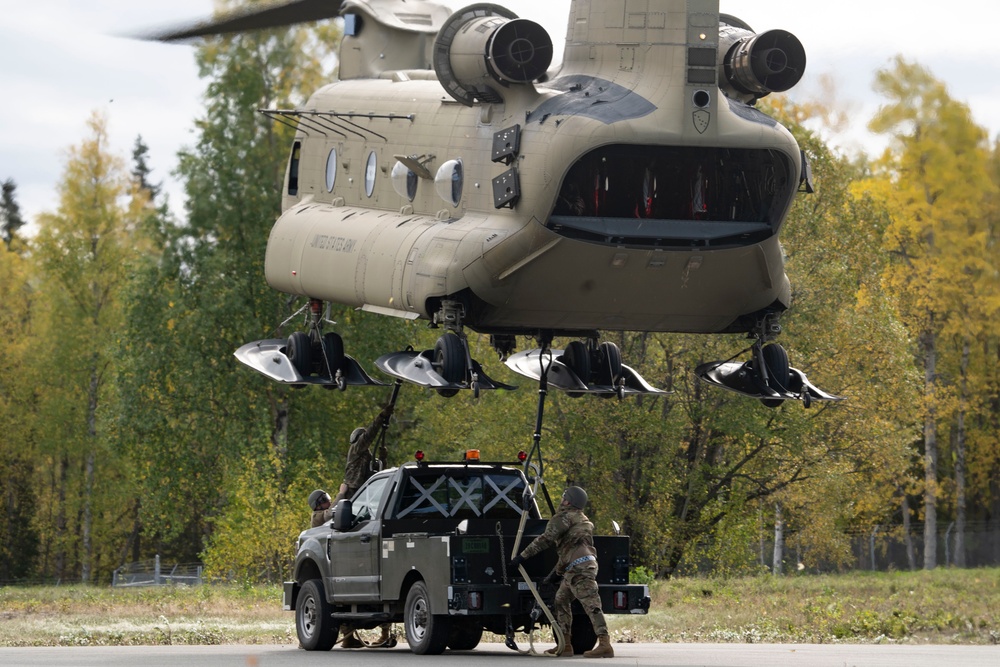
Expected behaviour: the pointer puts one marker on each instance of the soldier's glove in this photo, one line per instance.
(552, 577)
(516, 561)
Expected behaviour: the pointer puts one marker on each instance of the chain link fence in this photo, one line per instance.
(884, 548)
(154, 573)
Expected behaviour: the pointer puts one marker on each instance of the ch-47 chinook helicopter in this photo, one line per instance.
(451, 175)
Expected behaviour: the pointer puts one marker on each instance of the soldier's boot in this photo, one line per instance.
(567, 651)
(383, 638)
(351, 641)
(603, 649)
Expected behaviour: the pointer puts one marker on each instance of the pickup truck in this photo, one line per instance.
(428, 545)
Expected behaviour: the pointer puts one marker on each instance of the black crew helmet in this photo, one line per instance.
(575, 496)
(316, 497)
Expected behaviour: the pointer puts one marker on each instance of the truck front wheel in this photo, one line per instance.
(426, 633)
(313, 622)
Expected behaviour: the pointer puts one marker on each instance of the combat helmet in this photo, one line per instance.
(357, 433)
(575, 496)
(315, 498)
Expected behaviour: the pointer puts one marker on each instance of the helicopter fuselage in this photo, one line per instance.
(640, 203)
(462, 180)
(520, 268)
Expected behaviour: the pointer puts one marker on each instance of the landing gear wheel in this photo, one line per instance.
(449, 361)
(577, 359)
(464, 635)
(313, 624)
(426, 633)
(333, 345)
(299, 351)
(583, 635)
(609, 367)
(776, 361)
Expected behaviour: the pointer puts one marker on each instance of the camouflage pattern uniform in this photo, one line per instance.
(356, 473)
(321, 516)
(359, 457)
(572, 533)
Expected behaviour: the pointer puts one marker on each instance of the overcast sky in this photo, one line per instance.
(61, 60)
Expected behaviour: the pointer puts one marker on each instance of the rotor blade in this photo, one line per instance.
(253, 17)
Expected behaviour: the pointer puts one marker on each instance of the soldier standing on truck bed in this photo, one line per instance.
(572, 533)
(359, 457)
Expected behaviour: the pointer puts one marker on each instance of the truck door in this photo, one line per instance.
(355, 554)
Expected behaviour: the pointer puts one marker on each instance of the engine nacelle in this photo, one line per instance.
(754, 65)
(484, 48)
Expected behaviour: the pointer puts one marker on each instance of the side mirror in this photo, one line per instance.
(343, 515)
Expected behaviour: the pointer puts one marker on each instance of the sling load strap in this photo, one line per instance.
(536, 446)
(381, 458)
(556, 630)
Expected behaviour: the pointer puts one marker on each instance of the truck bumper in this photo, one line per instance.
(474, 600)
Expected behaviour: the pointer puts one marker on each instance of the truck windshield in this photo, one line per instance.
(473, 494)
(366, 502)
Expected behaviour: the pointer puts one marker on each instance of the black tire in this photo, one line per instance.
(778, 374)
(609, 366)
(426, 633)
(449, 361)
(776, 360)
(334, 346)
(299, 352)
(313, 622)
(464, 635)
(583, 633)
(576, 357)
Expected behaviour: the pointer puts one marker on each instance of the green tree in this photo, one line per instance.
(81, 252)
(141, 172)
(938, 169)
(10, 213)
(18, 539)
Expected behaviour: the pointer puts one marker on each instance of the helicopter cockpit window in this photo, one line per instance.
(449, 180)
(370, 171)
(674, 195)
(404, 181)
(331, 169)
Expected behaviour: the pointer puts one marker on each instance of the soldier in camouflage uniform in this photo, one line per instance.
(359, 456)
(572, 533)
(356, 473)
(319, 503)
